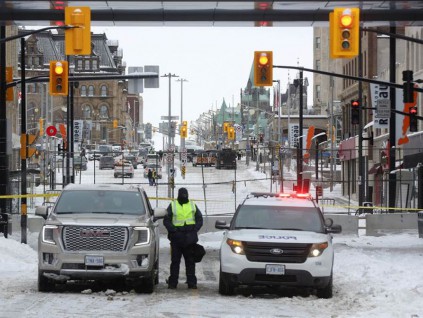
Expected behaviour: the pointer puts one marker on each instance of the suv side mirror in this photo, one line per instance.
(334, 229)
(159, 213)
(221, 225)
(41, 211)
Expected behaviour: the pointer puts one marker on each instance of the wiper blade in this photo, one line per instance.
(288, 229)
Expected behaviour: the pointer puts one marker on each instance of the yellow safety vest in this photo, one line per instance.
(183, 214)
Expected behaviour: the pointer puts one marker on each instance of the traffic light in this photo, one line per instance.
(263, 68)
(78, 39)
(355, 111)
(184, 123)
(115, 123)
(225, 127)
(231, 133)
(184, 132)
(408, 86)
(413, 119)
(59, 78)
(344, 32)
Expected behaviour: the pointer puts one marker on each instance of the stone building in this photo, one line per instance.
(100, 107)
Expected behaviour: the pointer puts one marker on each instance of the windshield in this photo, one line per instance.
(99, 201)
(279, 218)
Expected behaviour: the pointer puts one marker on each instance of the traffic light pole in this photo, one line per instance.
(361, 179)
(4, 165)
(24, 216)
(392, 120)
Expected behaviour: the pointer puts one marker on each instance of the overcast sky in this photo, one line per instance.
(216, 61)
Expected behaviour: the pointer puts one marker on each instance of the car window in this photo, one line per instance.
(279, 217)
(122, 202)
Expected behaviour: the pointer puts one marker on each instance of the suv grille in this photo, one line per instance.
(290, 253)
(95, 238)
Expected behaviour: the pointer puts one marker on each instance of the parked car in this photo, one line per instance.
(80, 163)
(100, 232)
(124, 169)
(152, 166)
(106, 162)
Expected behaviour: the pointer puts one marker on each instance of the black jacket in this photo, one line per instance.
(183, 235)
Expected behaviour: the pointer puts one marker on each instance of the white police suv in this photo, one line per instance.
(277, 240)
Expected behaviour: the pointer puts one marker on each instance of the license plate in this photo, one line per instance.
(275, 269)
(94, 260)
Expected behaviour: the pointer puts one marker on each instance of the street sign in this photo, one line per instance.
(51, 131)
(171, 117)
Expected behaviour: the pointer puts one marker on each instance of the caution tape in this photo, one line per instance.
(374, 208)
(37, 195)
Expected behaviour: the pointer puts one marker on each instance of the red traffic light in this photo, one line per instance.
(413, 110)
(355, 103)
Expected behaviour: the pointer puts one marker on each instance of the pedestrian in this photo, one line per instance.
(183, 221)
(239, 154)
(150, 177)
(154, 176)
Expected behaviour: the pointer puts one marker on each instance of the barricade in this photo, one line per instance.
(380, 224)
(349, 223)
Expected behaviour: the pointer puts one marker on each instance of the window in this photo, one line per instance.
(317, 42)
(87, 65)
(318, 91)
(104, 112)
(91, 90)
(86, 111)
(103, 92)
(317, 64)
(83, 90)
(95, 67)
(79, 64)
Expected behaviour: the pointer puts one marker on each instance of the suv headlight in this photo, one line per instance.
(48, 234)
(236, 246)
(317, 249)
(143, 235)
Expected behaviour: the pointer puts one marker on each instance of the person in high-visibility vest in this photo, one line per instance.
(183, 221)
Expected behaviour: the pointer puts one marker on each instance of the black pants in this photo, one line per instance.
(177, 251)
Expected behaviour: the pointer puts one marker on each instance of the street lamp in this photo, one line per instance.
(170, 178)
(182, 139)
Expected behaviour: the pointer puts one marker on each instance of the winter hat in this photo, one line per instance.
(183, 193)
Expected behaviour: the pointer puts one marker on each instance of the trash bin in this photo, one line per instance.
(420, 223)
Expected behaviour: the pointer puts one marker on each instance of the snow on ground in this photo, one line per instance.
(373, 277)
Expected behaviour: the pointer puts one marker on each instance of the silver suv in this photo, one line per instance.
(100, 232)
(277, 240)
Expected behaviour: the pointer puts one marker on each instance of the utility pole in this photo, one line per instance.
(170, 176)
(182, 148)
